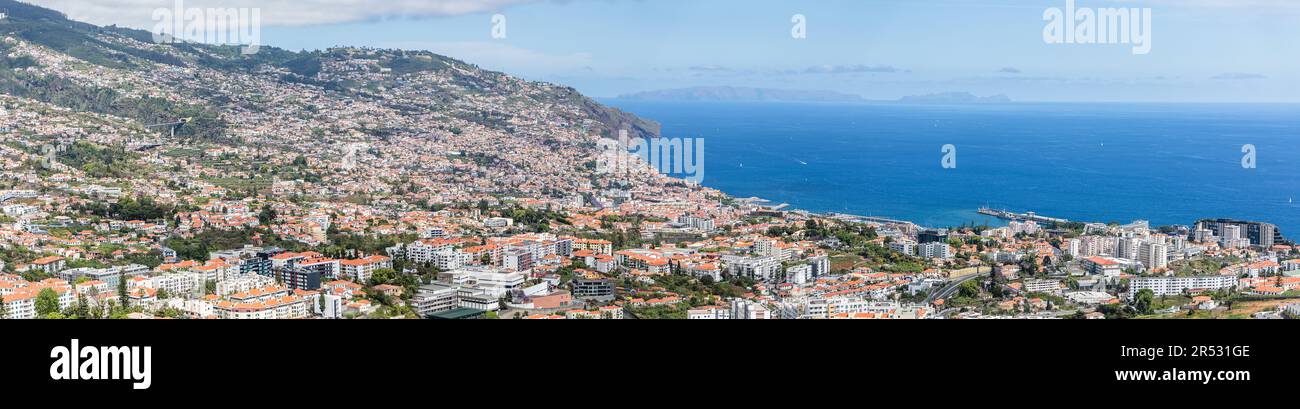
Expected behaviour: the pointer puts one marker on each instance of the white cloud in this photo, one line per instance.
(850, 69)
(139, 13)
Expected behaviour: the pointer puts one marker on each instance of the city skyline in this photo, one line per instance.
(234, 190)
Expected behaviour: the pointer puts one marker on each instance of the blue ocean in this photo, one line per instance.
(1165, 163)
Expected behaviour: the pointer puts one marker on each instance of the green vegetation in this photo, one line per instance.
(198, 247)
(419, 62)
(47, 302)
(204, 124)
(1117, 311)
(140, 208)
(665, 312)
(308, 65)
(1198, 266)
(1144, 302)
(696, 292)
(895, 261)
(99, 162)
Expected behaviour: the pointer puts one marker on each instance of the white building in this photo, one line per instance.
(1176, 285)
(749, 310)
(764, 247)
(758, 268)
(712, 312)
(939, 250)
(907, 247)
(422, 251)
(1153, 255)
(185, 285)
(243, 283)
(498, 222)
(1089, 297)
(1042, 286)
(493, 283)
(800, 274)
(270, 308)
(361, 269)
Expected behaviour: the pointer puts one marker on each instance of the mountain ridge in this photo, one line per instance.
(728, 93)
(954, 98)
(131, 49)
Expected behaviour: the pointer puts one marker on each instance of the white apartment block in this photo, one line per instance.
(800, 274)
(498, 222)
(758, 268)
(178, 284)
(243, 283)
(195, 308)
(1042, 286)
(1176, 285)
(422, 251)
(907, 247)
(825, 308)
(936, 249)
(596, 245)
(1153, 255)
(20, 307)
(20, 296)
(749, 310)
(712, 312)
(275, 308)
(361, 269)
(450, 259)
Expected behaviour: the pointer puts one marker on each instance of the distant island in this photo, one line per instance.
(739, 94)
(746, 94)
(953, 98)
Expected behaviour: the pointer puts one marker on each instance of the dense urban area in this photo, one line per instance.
(181, 181)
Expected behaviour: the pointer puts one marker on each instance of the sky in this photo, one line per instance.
(1200, 50)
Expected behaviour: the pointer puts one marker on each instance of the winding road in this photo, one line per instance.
(951, 288)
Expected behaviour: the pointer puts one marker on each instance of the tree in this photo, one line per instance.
(4, 309)
(267, 216)
(1116, 311)
(47, 302)
(1144, 301)
(82, 309)
(122, 296)
(969, 289)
